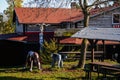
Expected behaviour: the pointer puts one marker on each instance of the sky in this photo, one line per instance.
(3, 5)
(47, 3)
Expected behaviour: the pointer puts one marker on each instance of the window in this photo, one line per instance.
(32, 27)
(116, 18)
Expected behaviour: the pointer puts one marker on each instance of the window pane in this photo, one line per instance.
(116, 18)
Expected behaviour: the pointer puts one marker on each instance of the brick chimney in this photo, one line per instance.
(73, 4)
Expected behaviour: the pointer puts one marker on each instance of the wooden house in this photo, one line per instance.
(28, 20)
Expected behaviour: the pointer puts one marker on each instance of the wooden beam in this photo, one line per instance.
(103, 50)
(93, 43)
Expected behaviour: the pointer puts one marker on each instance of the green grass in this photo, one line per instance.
(48, 73)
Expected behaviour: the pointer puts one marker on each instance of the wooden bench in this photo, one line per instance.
(110, 71)
(103, 68)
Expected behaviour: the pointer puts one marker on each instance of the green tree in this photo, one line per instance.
(50, 47)
(9, 27)
(1, 23)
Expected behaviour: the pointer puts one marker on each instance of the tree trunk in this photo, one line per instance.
(82, 59)
(83, 53)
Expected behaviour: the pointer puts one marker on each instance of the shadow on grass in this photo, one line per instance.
(14, 78)
(76, 78)
(93, 78)
(13, 70)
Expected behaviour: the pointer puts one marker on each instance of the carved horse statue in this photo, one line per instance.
(33, 58)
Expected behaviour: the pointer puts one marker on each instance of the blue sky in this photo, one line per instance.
(3, 5)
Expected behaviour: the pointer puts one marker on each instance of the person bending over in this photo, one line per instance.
(33, 58)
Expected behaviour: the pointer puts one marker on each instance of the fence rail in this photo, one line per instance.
(97, 54)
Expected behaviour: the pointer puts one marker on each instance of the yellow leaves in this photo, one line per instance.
(17, 3)
(8, 28)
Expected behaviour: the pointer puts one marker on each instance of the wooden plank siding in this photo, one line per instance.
(103, 20)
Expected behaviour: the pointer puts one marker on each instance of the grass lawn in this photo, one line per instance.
(48, 73)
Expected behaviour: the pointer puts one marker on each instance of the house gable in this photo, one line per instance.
(104, 19)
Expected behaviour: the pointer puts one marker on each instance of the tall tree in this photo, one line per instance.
(8, 26)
